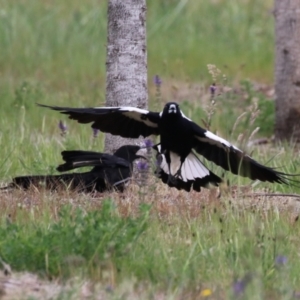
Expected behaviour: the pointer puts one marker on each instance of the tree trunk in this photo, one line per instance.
(287, 69)
(126, 62)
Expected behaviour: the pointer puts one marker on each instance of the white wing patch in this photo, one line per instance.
(184, 116)
(108, 107)
(191, 169)
(137, 116)
(213, 139)
(123, 108)
(134, 109)
(132, 113)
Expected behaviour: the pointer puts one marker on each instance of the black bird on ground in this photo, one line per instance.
(178, 137)
(109, 171)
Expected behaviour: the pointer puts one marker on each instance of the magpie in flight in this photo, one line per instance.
(179, 136)
(109, 171)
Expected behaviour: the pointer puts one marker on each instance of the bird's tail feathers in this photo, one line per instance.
(74, 181)
(193, 172)
(77, 159)
(191, 169)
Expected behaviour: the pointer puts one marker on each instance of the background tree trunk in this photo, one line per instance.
(126, 62)
(287, 69)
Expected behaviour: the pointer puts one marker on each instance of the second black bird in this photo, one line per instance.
(109, 171)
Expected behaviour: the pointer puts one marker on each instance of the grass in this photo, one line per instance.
(89, 237)
(177, 243)
(58, 43)
(235, 35)
(164, 244)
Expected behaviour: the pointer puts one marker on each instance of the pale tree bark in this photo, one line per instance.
(126, 62)
(287, 69)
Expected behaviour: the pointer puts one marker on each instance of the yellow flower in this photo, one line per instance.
(205, 293)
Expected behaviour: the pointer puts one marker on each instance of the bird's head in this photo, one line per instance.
(129, 152)
(171, 109)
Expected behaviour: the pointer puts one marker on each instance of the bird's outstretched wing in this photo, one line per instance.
(128, 122)
(77, 159)
(232, 159)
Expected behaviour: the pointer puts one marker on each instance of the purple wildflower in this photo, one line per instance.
(212, 89)
(95, 132)
(148, 143)
(142, 165)
(296, 294)
(63, 127)
(157, 81)
(281, 260)
(240, 285)
(109, 289)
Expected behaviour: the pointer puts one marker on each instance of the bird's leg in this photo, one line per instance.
(178, 173)
(171, 178)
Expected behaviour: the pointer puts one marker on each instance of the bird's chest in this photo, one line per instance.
(175, 135)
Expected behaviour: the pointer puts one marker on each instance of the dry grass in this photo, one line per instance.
(165, 201)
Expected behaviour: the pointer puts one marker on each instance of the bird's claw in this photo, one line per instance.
(172, 180)
(178, 174)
